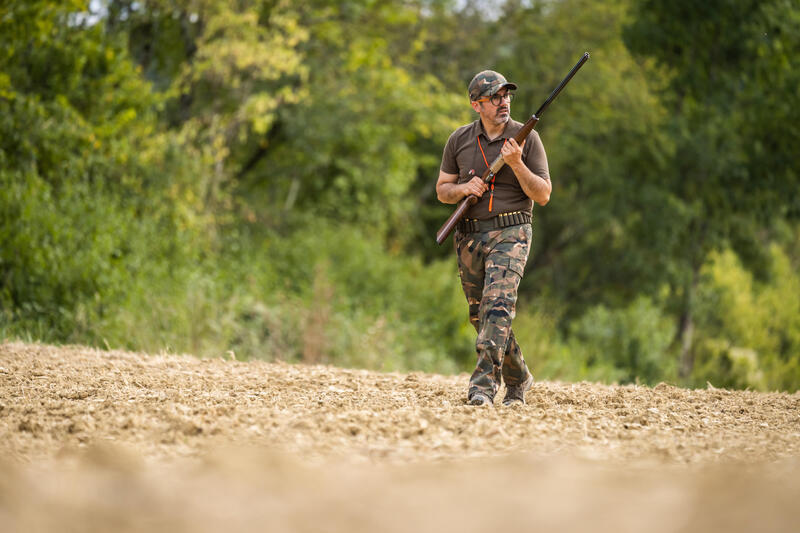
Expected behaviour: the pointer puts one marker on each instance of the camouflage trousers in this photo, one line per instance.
(491, 265)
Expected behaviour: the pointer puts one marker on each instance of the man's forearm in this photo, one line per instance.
(450, 193)
(535, 187)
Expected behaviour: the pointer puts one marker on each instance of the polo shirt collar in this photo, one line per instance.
(512, 128)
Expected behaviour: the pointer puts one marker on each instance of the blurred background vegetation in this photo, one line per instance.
(257, 177)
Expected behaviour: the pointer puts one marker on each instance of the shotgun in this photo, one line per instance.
(497, 164)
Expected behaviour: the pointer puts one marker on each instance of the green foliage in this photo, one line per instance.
(257, 178)
(65, 252)
(332, 297)
(633, 341)
(84, 203)
(419, 306)
(351, 152)
(602, 240)
(733, 100)
(623, 345)
(750, 330)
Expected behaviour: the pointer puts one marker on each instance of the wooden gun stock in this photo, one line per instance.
(450, 224)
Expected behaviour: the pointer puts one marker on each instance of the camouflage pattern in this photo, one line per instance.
(491, 265)
(486, 83)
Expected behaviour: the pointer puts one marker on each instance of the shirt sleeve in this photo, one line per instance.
(449, 164)
(535, 156)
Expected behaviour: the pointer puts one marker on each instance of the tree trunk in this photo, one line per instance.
(686, 325)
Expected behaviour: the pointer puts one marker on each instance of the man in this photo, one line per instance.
(493, 239)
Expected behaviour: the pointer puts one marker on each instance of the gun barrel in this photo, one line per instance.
(563, 84)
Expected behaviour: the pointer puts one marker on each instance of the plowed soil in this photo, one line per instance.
(114, 441)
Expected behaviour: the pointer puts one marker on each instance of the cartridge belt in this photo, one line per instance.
(503, 220)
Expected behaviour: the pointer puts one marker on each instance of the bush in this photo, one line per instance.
(332, 296)
(748, 330)
(624, 345)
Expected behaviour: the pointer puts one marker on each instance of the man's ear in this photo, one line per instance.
(475, 106)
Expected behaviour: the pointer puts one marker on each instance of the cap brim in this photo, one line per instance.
(510, 86)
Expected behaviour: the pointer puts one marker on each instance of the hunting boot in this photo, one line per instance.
(516, 393)
(479, 398)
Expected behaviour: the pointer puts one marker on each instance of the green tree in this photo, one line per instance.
(607, 151)
(227, 69)
(748, 331)
(352, 151)
(734, 73)
(84, 201)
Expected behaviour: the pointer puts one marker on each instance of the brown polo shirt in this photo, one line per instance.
(462, 154)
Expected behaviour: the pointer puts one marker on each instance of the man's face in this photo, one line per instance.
(495, 109)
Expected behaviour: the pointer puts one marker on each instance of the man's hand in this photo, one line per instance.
(536, 187)
(512, 152)
(449, 191)
(475, 186)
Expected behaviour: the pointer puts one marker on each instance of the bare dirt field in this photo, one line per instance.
(96, 440)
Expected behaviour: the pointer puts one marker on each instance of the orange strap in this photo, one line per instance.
(491, 187)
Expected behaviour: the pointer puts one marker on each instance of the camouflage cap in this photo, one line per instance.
(486, 83)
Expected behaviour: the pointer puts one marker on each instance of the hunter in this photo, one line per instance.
(492, 241)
